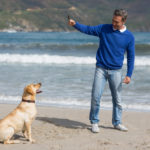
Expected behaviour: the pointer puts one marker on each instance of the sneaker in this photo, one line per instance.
(95, 128)
(121, 127)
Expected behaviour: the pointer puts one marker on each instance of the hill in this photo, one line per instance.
(50, 15)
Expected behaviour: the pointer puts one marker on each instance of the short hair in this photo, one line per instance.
(121, 12)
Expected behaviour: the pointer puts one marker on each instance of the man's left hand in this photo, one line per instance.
(127, 80)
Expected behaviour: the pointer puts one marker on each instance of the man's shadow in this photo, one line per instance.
(64, 122)
(106, 127)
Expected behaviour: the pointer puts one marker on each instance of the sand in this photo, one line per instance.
(69, 129)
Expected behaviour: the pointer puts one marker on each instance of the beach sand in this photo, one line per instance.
(68, 129)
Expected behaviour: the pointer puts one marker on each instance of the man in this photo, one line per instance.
(114, 41)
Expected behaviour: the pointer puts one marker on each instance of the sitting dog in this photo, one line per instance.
(21, 118)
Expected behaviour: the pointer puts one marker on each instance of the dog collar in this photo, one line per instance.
(28, 101)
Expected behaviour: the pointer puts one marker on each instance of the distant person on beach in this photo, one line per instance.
(114, 40)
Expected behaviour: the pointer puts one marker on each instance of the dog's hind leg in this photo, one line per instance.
(8, 135)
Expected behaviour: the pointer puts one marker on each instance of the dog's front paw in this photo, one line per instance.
(25, 135)
(32, 140)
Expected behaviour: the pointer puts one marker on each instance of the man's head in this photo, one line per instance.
(119, 18)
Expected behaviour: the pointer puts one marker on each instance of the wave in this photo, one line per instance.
(57, 59)
(45, 59)
(73, 103)
(48, 46)
(62, 46)
(142, 61)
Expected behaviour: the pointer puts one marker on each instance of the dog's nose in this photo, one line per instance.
(40, 84)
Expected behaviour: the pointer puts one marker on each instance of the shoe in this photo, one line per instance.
(121, 127)
(95, 128)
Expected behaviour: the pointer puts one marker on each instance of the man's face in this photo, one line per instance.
(117, 22)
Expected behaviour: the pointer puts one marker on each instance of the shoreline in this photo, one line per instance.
(68, 129)
(77, 107)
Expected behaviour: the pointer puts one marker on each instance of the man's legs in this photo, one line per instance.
(115, 84)
(97, 90)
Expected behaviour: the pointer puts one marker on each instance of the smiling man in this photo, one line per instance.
(114, 41)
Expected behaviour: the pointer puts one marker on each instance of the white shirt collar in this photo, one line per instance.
(121, 30)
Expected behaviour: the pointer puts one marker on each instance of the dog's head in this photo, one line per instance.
(31, 90)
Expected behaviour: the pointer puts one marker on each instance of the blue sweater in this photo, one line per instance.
(112, 46)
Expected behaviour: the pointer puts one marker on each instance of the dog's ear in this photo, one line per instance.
(30, 90)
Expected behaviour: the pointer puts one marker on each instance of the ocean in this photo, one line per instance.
(64, 62)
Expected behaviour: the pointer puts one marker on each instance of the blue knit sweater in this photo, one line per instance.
(112, 46)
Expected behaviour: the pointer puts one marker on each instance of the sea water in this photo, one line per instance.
(64, 62)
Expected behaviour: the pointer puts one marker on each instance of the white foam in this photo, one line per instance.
(45, 59)
(57, 59)
(140, 61)
(73, 103)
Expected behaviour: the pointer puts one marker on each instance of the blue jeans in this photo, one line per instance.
(114, 78)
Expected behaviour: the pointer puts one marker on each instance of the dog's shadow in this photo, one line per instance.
(66, 123)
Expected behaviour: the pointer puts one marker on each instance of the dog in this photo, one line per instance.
(21, 118)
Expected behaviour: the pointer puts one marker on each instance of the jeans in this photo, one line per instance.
(114, 78)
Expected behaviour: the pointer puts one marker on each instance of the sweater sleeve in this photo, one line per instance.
(130, 57)
(90, 30)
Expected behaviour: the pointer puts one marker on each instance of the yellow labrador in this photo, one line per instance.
(21, 118)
